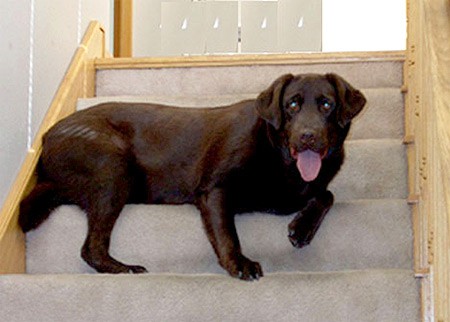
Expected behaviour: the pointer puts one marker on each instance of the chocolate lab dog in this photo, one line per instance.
(276, 154)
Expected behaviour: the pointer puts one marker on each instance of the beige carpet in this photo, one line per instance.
(358, 267)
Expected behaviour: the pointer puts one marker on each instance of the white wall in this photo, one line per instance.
(363, 25)
(57, 29)
(14, 53)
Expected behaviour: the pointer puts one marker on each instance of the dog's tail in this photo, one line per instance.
(38, 205)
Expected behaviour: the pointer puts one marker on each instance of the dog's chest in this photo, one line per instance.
(266, 186)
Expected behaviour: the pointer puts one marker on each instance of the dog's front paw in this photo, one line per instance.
(303, 228)
(244, 269)
(300, 236)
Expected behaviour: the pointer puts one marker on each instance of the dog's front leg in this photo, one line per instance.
(305, 225)
(221, 231)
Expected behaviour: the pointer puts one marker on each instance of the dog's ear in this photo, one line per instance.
(351, 100)
(268, 103)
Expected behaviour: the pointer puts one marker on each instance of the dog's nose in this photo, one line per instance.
(308, 138)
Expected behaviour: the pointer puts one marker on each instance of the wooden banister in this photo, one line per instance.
(123, 24)
(427, 77)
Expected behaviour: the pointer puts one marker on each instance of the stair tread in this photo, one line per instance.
(372, 234)
(367, 295)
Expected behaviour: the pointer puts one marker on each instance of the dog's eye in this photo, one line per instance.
(326, 105)
(294, 106)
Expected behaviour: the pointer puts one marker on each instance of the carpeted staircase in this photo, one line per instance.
(358, 267)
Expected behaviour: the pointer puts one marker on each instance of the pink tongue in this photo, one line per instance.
(309, 163)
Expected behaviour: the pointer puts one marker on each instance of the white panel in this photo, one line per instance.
(259, 26)
(299, 25)
(183, 29)
(146, 28)
(221, 26)
(364, 25)
(14, 52)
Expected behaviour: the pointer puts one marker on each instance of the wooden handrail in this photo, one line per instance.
(78, 82)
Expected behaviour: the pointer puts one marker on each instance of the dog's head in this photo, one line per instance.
(311, 114)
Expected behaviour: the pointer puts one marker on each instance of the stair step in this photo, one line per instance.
(373, 169)
(355, 235)
(380, 102)
(237, 79)
(370, 295)
(357, 268)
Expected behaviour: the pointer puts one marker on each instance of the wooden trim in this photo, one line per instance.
(79, 81)
(247, 59)
(123, 28)
(427, 120)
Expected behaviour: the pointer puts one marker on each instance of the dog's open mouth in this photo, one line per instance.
(308, 163)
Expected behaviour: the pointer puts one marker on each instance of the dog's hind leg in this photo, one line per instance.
(103, 211)
(91, 166)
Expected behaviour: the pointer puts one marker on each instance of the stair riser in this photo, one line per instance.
(373, 169)
(236, 79)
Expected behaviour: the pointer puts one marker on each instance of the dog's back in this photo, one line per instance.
(154, 153)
